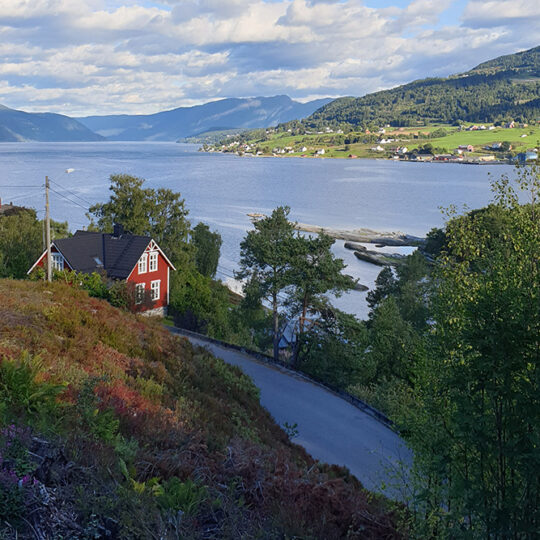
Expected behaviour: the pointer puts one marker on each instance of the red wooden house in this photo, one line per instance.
(121, 256)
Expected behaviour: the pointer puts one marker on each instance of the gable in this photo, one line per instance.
(88, 252)
(152, 247)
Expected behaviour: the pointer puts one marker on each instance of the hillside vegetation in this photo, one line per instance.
(504, 88)
(112, 427)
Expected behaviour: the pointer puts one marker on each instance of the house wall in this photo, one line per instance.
(42, 262)
(160, 274)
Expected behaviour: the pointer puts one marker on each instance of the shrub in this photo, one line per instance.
(185, 496)
(19, 389)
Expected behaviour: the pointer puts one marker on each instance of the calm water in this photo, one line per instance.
(221, 189)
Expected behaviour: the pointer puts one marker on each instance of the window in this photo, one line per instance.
(142, 264)
(152, 266)
(139, 293)
(57, 261)
(154, 288)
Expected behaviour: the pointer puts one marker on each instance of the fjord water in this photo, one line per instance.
(221, 189)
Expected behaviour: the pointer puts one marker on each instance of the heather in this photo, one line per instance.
(112, 427)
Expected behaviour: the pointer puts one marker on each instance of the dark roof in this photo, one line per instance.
(10, 210)
(91, 251)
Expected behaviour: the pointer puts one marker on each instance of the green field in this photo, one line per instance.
(335, 146)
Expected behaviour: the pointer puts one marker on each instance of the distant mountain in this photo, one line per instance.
(184, 122)
(18, 126)
(507, 87)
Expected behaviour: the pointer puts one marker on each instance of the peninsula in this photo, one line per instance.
(366, 236)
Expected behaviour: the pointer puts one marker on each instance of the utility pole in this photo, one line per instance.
(48, 230)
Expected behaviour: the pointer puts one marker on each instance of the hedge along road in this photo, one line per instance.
(329, 428)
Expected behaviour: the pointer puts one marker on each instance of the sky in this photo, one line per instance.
(83, 57)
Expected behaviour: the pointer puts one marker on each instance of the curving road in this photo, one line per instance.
(329, 428)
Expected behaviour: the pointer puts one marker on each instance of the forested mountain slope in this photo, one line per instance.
(504, 88)
(19, 126)
(182, 122)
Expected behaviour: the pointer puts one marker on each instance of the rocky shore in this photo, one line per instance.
(368, 236)
(373, 257)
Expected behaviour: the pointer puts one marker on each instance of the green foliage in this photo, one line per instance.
(59, 229)
(185, 496)
(474, 429)
(391, 396)
(397, 325)
(252, 321)
(95, 284)
(290, 271)
(333, 350)
(505, 146)
(438, 133)
(199, 304)
(235, 381)
(291, 430)
(207, 245)
(12, 508)
(17, 466)
(435, 242)
(21, 392)
(159, 213)
(409, 291)
(21, 243)
(385, 285)
(265, 262)
(393, 344)
(314, 272)
(426, 148)
(102, 423)
(14, 442)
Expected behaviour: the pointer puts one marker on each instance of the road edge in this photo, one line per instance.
(268, 360)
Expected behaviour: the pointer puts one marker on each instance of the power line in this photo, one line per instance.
(68, 199)
(23, 195)
(71, 192)
(20, 186)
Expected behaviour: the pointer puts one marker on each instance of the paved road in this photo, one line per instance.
(329, 428)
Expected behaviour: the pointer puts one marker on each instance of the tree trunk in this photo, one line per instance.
(301, 326)
(276, 326)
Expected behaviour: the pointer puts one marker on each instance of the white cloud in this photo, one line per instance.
(101, 56)
(483, 13)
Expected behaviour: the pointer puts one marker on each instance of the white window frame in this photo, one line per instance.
(155, 289)
(152, 261)
(143, 264)
(139, 293)
(57, 261)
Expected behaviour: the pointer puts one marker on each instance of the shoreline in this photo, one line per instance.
(365, 236)
(473, 161)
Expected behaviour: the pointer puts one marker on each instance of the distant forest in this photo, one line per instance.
(506, 88)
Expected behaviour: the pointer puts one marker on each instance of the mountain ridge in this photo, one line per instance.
(21, 126)
(181, 122)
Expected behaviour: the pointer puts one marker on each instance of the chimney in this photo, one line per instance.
(118, 230)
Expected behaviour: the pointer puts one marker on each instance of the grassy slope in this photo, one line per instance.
(137, 410)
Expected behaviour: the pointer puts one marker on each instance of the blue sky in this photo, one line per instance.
(82, 57)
